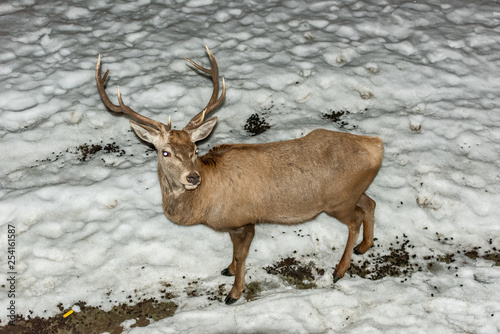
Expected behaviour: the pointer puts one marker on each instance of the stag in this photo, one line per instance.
(234, 187)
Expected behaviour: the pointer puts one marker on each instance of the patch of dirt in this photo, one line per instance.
(197, 289)
(84, 152)
(395, 264)
(488, 255)
(337, 117)
(493, 257)
(192, 289)
(87, 151)
(295, 273)
(256, 125)
(92, 319)
(395, 260)
(219, 294)
(399, 262)
(167, 294)
(252, 291)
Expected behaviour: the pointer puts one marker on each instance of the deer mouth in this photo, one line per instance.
(190, 186)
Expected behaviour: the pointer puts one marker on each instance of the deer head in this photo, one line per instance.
(177, 152)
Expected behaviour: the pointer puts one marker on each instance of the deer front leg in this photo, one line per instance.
(242, 238)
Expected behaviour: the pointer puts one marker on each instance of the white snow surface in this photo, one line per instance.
(424, 76)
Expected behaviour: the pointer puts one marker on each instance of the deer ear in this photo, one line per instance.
(145, 132)
(202, 131)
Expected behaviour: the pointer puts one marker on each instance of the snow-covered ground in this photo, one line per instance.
(422, 75)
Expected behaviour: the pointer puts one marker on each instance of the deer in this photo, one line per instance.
(234, 187)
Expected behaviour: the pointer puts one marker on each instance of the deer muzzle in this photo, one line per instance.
(191, 180)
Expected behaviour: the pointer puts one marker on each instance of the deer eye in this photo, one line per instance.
(196, 151)
(166, 154)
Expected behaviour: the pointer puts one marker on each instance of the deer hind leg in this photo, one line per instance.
(368, 207)
(242, 238)
(353, 220)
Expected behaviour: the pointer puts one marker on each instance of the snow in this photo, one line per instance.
(422, 75)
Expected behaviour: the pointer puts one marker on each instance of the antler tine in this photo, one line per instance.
(214, 102)
(122, 107)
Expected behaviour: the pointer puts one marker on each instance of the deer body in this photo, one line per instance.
(285, 182)
(234, 187)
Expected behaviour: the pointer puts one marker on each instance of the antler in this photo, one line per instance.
(122, 107)
(214, 102)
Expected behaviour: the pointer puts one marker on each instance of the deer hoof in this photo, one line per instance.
(226, 272)
(336, 278)
(357, 251)
(230, 300)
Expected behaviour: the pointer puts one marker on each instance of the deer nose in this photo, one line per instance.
(193, 178)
